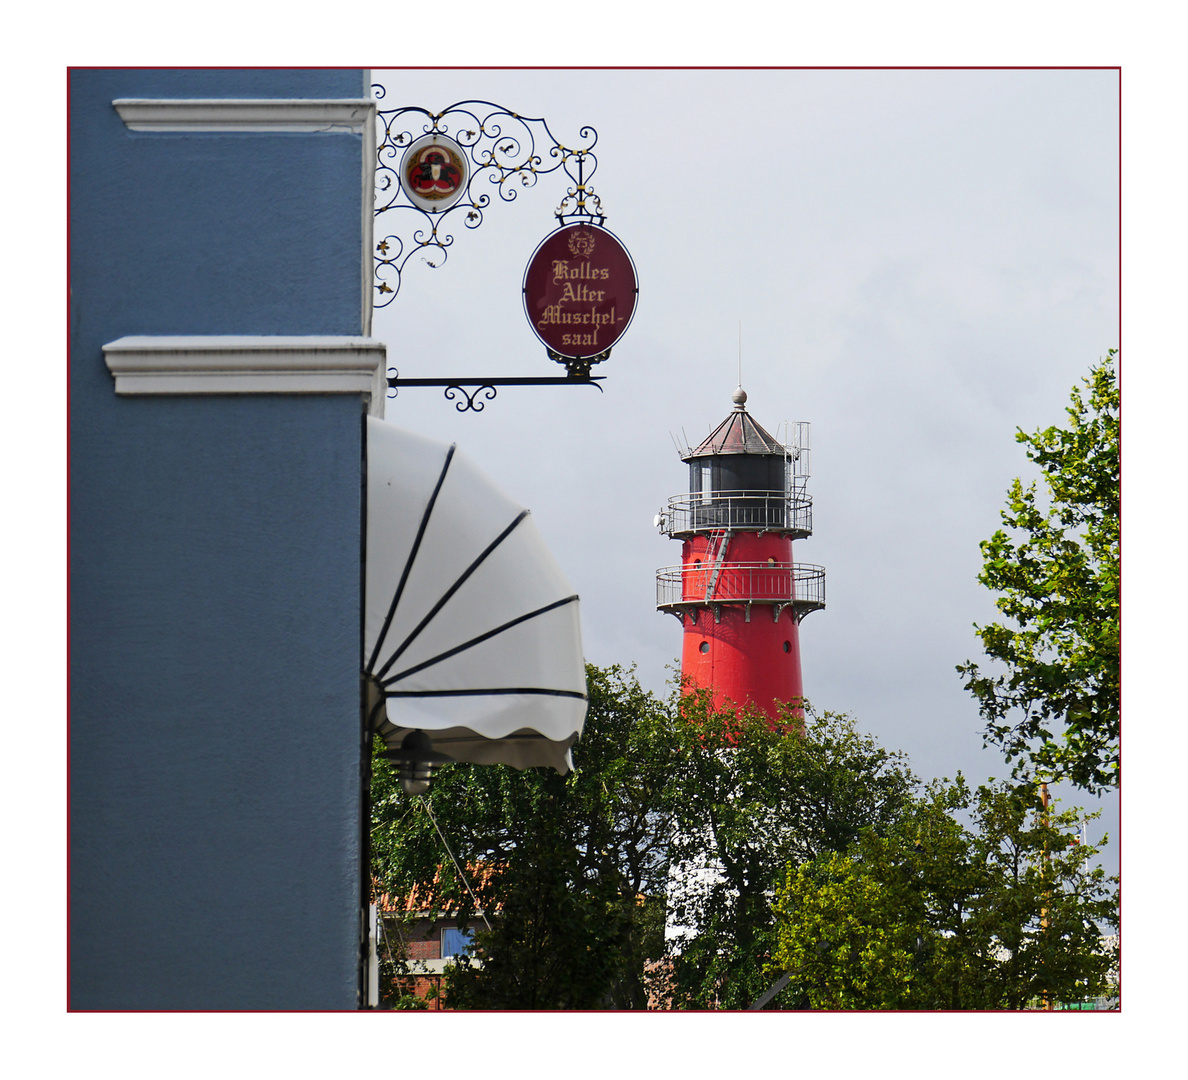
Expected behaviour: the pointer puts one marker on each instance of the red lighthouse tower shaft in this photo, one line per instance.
(738, 593)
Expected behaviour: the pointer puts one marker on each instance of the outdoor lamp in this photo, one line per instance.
(418, 762)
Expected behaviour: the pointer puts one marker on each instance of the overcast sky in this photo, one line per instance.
(921, 261)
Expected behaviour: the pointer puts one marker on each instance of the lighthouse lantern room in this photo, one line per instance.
(738, 593)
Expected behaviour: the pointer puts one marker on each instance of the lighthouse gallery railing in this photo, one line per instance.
(799, 584)
(705, 511)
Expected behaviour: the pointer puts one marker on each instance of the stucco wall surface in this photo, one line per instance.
(214, 564)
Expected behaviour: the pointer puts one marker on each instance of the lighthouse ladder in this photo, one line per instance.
(725, 536)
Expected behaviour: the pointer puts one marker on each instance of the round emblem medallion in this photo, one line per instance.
(434, 172)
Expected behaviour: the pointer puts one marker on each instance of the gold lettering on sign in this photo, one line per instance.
(581, 293)
(582, 272)
(578, 305)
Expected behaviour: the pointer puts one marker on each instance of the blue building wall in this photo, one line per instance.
(215, 855)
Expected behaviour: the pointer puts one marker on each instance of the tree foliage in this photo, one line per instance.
(1054, 712)
(583, 870)
(693, 854)
(567, 862)
(747, 799)
(933, 914)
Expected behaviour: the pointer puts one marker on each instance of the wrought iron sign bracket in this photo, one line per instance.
(431, 166)
(465, 146)
(484, 390)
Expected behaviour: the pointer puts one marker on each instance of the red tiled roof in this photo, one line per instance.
(416, 901)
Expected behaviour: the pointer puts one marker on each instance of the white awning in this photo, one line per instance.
(471, 630)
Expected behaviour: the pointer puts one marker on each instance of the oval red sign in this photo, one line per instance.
(580, 290)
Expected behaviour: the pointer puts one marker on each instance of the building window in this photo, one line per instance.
(455, 942)
(704, 646)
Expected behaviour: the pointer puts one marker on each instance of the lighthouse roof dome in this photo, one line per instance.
(737, 434)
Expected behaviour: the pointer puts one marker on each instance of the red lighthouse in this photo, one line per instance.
(737, 592)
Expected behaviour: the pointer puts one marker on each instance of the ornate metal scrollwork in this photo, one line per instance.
(503, 149)
(471, 402)
(579, 367)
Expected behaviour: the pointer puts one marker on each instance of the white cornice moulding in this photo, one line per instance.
(218, 364)
(245, 114)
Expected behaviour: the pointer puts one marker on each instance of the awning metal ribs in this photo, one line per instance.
(477, 640)
(491, 664)
(448, 593)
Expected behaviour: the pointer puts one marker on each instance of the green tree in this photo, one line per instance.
(558, 939)
(933, 914)
(568, 862)
(747, 799)
(1054, 712)
(682, 814)
(574, 871)
(844, 935)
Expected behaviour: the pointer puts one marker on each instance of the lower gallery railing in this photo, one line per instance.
(802, 584)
